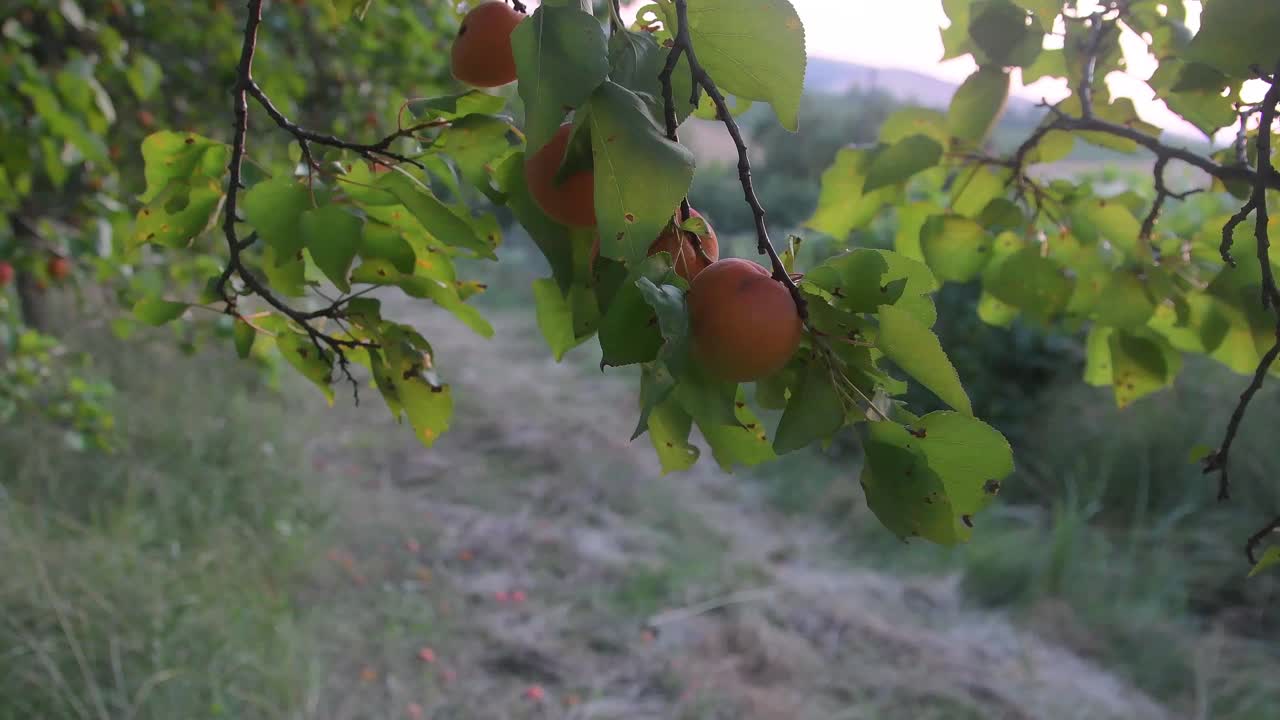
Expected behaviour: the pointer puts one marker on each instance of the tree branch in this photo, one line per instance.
(1163, 193)
(1257, 204)
(327, 345)
(670, 115)
(1226, 173)
(1097, 33)
(683, 43)
(369, 151)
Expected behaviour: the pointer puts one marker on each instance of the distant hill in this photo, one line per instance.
(836, 77)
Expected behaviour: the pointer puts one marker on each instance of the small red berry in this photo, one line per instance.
(427, 655)
(535, 693)
(59, 267)
(518, 596)
(6, 274)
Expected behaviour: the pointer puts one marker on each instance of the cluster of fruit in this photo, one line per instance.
(56, 268)
(744, 323)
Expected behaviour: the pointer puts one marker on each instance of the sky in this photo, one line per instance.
(904, 34)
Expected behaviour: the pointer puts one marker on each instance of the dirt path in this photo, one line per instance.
(534, 565)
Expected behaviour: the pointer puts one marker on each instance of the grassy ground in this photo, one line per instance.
(248, 554)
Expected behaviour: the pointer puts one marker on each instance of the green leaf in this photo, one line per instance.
(475, 143)
(912, 121)
(563, 326)
(668, 303)
(287, 276)
(842, 205)
(408, 383)
(640, 175)
(637, 61)
(332, 236)
(144, 76)
(898, 162)
(920, 282)
(1113, 221)
(443, 222)
(813, 413)
(63, 123)
(274, 208)
(561, 58)
(910, 221)
(973, 192)
(382, 242)
(244, 335)
(1034, 284)
(429, 408)
(669, 428)
(1097, 369)
(1270, 558)
(629, 331)
(179, 214)
(551, 237)
(996, 312)
(169, 156)
(906, 495)
(308, 360)
(155, 311)
(1000, 30)
(1196, 92)
(914, 348)
(1236, 35)
(955, 247)
(656, 384)
(735, 434)
(756, 52)
(854, 279)
(967, 454)
(1045, 11)
(1141, 365)
(1002, 214)
(932, 478)
(1124, 303)
(456, 106)
(977, 105)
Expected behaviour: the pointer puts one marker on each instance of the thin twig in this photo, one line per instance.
(738, 598)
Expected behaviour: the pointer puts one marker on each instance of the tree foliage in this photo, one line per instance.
(282, 218)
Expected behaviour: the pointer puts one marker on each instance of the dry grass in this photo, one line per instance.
(643, 596)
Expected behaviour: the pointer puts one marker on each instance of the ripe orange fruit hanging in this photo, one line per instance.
(482, 53)
(571, 202)
(744, 323)
(684, 257)
(58, 267)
